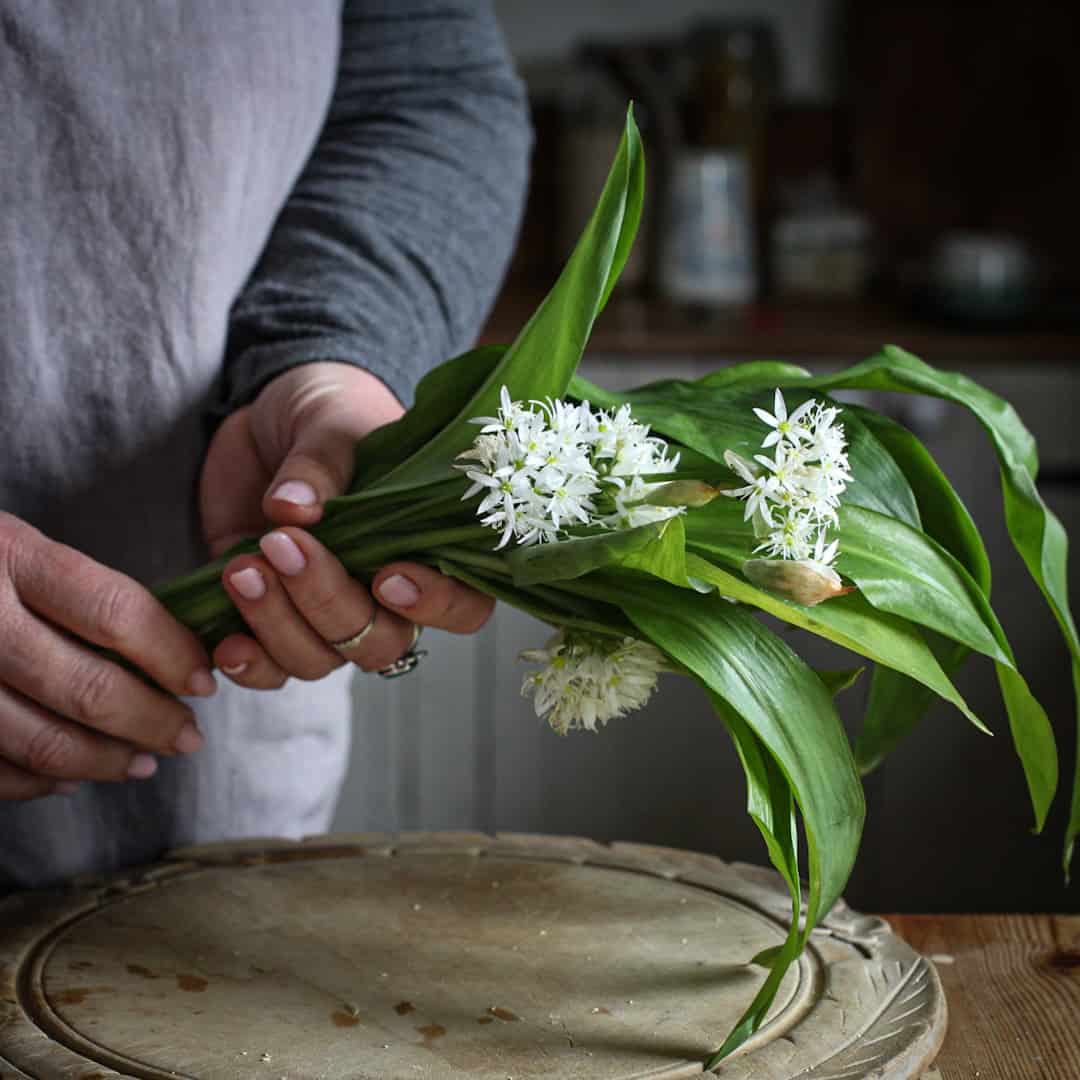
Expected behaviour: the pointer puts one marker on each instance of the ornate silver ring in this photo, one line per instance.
(408, 659)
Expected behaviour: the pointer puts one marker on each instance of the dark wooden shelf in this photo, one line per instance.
(840, 331)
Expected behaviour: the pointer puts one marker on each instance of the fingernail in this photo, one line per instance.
(189, 740)
(399, 591)
(283, 552)
(249, 583)
(65, 787)
(142, 767)
(296, 491)
(202, 683)
(237, 670)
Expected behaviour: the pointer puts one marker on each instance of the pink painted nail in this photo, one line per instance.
(142, 767)
(298, 492)
(399, 591)
(238, 669)
(202, 683)
(283, 552)
(249, 583)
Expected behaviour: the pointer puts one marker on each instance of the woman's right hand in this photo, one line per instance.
(67, 713)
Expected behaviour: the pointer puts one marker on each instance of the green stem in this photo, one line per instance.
(361, 521)
(490, 564)
(349, 520)
(523, 599)
(203, 606)
(420, 544)
(561, 606)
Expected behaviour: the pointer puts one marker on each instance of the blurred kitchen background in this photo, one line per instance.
(825, 176)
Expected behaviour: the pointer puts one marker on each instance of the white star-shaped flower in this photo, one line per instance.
(786, 427)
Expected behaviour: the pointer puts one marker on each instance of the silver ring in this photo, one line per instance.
(408, 659)
(352, 642)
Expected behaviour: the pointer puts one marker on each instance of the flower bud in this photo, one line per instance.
(683, 493)
(802, 580)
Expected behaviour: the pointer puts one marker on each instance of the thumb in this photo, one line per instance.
(319, 466)
(309, 419)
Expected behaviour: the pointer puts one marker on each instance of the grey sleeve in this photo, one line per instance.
(390, 249)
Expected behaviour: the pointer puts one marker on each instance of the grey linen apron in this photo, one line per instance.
(145, 151)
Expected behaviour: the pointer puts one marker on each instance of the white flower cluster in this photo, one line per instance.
(793, 496)
(545, 466)
(589, 679)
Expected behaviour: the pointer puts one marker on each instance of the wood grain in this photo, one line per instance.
(1013, 987)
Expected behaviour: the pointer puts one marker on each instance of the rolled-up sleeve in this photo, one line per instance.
(390, 249)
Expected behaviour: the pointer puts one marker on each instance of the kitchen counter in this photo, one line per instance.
(1012, 986)
(842, 331)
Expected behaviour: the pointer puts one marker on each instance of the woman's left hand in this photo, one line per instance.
(268, 472)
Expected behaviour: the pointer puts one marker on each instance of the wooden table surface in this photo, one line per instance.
(1012, 985)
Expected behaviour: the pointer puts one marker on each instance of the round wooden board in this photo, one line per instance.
(446, 955)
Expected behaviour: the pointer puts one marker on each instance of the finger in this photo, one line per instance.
(316, 414)
(318, 468)
(57, 673)
(17, 785)
(246, 662)
(233, 479)
(280, 629)
(109, 609)
(320, 460)
(43, 744)
(333, 604)
(425, 596)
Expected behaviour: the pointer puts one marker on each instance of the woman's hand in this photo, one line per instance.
(275, 463)
(67, 713)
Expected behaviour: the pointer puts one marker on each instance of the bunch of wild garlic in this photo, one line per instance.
(608, 530)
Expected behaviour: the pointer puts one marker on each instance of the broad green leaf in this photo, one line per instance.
(779, 697)
(778, 961)
(897, 703)
(899, 569)
(658, 550)
(1036, 533)
(543, 563)
(542, 359)
(440, 396)
(666, 558)
(1033, 738)
(944, 516)
(545, 606)
(769, 799)
(902, 571)
(764, 374)
(770, 803)
(752, 374)
(848, 621)
(787, 707)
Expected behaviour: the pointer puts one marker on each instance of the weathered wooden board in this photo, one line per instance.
(445, 955)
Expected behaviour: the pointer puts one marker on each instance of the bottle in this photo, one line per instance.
(717, 188)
